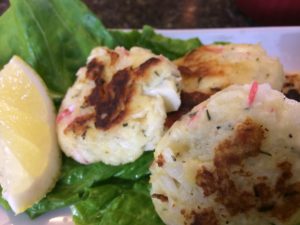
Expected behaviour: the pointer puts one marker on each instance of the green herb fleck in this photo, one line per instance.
(208, 115)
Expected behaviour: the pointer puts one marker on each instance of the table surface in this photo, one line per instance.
(165, 13)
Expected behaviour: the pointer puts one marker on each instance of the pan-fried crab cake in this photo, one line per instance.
(117, 107)
(234, 160)
(211, 68)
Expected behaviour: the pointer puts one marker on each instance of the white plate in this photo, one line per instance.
(282, 42)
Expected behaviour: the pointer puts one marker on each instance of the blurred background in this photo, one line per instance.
(193, 13)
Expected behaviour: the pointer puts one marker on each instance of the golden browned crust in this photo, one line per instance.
(291, 87)
(160, 160)
(79, 125)
(205, 217)
(94, 69)
(113, 57)
(206, 180)
(161, 197)
(194, 66)
(109, 99)
(246, 143)
(280, 200)
(232, 152)
(263, 192)
(141, 70)
(290, 193)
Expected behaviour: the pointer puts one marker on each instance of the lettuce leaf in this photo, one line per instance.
(76, 179)
(119, 203)
(3, 202)
(54, 37)
(159, 44)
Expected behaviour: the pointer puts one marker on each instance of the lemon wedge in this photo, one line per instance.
(29, 153)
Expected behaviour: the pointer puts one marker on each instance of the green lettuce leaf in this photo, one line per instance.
(53, 36)
(76, 179)
(159, 44)
(221, 43)
(121, 203)
(3, 202)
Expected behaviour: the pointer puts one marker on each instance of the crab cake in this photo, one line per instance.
(211, 68)
(117, 107)
(234, 160)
